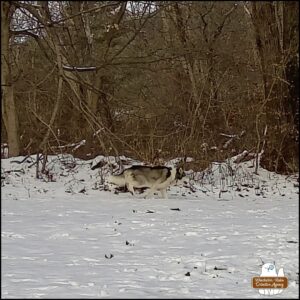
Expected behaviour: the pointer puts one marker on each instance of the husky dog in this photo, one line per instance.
(157, 178)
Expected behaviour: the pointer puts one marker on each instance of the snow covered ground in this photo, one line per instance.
(69, 238)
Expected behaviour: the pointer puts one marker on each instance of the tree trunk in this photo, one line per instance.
(277, 50)
(290, 51)
(9, 113)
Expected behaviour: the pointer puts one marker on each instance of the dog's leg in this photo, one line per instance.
(129, 185)
(153, 189)
(164, 193)
(150, 192)
(130, 189)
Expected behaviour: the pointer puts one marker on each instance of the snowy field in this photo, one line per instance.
(64, 236)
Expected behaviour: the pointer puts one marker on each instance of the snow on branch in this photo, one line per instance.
(75, 146)
(231, 138)
(79, 69)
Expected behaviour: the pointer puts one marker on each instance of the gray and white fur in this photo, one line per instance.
(157, 178)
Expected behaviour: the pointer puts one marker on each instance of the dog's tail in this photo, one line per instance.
(118, 180)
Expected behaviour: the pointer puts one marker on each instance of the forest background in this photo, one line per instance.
(152, 80)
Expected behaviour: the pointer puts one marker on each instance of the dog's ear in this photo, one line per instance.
(181, 163)
(180, 170)
(180, 173)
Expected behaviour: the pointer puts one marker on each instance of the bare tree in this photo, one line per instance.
(9, 114)
(277, 44)
(156, 80)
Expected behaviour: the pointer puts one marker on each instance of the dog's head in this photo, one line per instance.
(179, 173)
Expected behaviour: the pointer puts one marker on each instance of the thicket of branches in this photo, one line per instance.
(152, 79)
